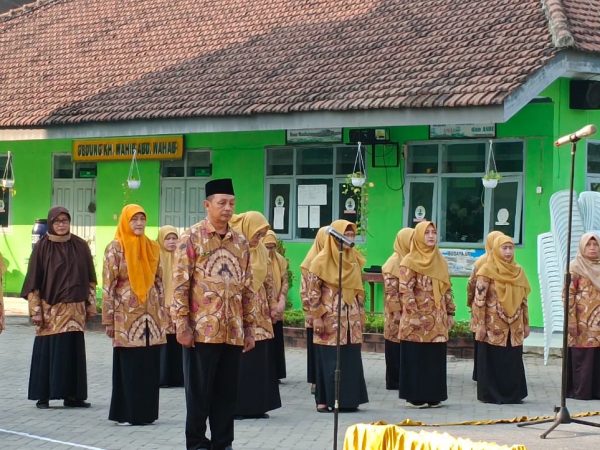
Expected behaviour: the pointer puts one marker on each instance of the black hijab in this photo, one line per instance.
(60, 267)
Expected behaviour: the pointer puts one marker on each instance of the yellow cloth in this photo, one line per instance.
(248, 224)
(278, 262)
(391, 437)
(428, 261)
(583, 266)
(401, 249)
(509, 278)
(166, 262)
(141, 253)
(489, 241)
(316, 247)
(326, 264)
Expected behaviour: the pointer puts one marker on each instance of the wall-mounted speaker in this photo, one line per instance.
(584, 94)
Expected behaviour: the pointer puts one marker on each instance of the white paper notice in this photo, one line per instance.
(315, 216)
(278, 213)
(302, 216)
(312, 194)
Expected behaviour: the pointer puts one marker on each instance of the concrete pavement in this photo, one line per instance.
(295, 426)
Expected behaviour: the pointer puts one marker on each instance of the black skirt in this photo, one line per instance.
(474, 376)
(135, 384)
(171, 363)
(423, 375)
(500, 374)
(392, 364)
(58, 367)
(310, 357)
(279, 350)
(353, 389)
(583, 374)
(258, 388)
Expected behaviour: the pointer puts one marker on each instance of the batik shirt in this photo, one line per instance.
(323, 304)
(308, 321)
(121, 309)
(422, 320)
(61, 317)
(264, 306)
(584, 307)
(212, 280)
(391, 304)
(489, 314)
(471, 296)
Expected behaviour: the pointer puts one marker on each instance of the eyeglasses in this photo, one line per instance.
(61, 222)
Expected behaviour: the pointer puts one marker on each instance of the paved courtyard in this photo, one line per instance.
(295, 426)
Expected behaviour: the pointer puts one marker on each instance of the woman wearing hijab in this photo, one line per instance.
(323, 293)
(393, 307)
(314, 250)
(171, 358)
(427, 315)
(583, 376)
(61, 288)
(258, 389)
(489, 240)
(279, 266)
(134, 316)
(501, 323)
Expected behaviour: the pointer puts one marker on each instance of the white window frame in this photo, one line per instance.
(590, 177)
(507, 177)
(8, 227)
(73, 166)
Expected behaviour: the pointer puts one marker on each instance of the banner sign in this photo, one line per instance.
(460, 261)
(118, 149)
(462, 131)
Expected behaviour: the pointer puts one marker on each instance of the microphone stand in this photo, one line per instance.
(336, 407)
(562, 413)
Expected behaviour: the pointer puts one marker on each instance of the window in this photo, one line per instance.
(196, 163)
(306, 188)
(5, 197)
(64, 168)
(593, 166)
(443, 181)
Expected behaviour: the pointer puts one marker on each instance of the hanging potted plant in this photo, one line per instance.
(8, 177)
(133, 179)
(491, 176)
(358, 175)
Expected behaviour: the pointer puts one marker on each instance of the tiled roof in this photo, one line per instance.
(75, 61)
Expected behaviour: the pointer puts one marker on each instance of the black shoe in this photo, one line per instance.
(76, 404)
(42, 404)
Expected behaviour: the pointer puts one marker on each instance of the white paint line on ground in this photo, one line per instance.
(41, 438)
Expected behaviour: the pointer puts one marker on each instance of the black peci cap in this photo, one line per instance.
(219, 186)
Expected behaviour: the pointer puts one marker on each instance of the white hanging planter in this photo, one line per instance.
(8, 177)
(358, 177)
(491, 177)
(358, 181)
(489, 183)
(134, 181)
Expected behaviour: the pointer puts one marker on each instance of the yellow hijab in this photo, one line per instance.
(316, 247)
(586, 267)
(428, 261)
(511, 282)
(401, 249)
(248, 224)
(326, 264)
(166, 261)
(489, 242)
(278, 262)
(141, 253)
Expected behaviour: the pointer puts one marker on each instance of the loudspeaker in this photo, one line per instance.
(584, 94)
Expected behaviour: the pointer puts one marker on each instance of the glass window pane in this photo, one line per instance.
(310, 217)
(279, 202)
(349, 203)
(420, 202)
(593, 157)
(280, 161)
(63, 167)
(314, 161)
(198, 164)
(85, 170)
(504, 207)
(4, 203)
(464, 157)
(345, 158)
(508, 156)
(422, 159)
(172, 168)
(594, 186)
(461, 210)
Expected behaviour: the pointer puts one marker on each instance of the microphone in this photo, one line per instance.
(340, 237)
(586, 131)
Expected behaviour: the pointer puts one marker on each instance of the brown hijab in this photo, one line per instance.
(401, 249)
(316, 247)
(489, 242)
(60, 267)
(278, 263)
(166, 261)
(583, 266)
(248, 224)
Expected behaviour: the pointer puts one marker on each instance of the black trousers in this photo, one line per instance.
(210, 373)
(583, 374)
(392, 364)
